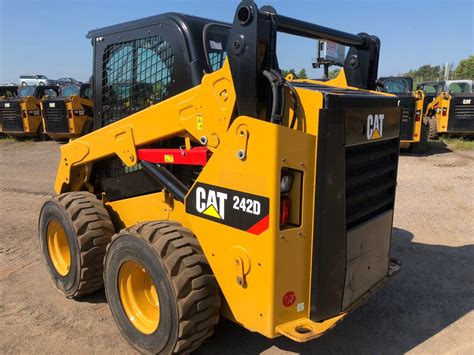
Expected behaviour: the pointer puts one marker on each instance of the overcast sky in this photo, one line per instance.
(48, 36)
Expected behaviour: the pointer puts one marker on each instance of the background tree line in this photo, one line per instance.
(464, 70)
(427, 72)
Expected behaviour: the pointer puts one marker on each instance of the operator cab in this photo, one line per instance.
(8, 91)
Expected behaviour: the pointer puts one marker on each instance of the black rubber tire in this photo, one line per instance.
(187, 290)
(433, 129)
(89, 230)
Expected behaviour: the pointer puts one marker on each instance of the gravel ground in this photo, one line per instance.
(428, 308)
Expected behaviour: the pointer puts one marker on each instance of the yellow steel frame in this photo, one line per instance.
(272, 263)
(419, 99)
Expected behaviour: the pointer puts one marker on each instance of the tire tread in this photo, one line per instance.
(195, 287)
(94, 230)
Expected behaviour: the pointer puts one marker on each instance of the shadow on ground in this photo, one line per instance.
(432, 148)
(97, 297)
(434, 289)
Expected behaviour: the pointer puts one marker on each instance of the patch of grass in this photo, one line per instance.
(459, 143)
(6, 139)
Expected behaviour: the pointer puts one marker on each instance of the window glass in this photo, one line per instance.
(397, 86)
(26, 91)
(458, 88)
(70, 90)
(215, 38)
(7, 92)
(432, 88)
(87, 93)
(50, 93)
(137, 74)
(42, 77)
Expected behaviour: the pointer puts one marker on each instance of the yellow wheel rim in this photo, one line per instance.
(139, 297)
(58, 248)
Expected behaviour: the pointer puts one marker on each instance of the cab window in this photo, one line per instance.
(430, 89)
(137, 75)
(70, 90)
(26, 91)
(397, 86)
(215, 39)
(458, 88)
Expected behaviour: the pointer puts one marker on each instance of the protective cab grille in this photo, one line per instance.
(370, 180)
(11, 116)
(136, 75)
(55, 117)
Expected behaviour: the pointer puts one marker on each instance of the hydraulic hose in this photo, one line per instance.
(277, 95)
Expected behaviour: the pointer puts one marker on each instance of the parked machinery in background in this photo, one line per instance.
(451, 109)
(6, 92)
(415, 125)
(21, 116)
(69, 115)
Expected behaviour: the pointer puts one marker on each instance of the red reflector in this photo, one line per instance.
(23, 113)
(193, 156)
(417, 116)
(69, 113)
(284, 210)
(445, 111)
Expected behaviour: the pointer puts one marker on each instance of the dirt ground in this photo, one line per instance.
(428, 308)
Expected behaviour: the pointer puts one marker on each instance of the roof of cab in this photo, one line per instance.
(180, 19)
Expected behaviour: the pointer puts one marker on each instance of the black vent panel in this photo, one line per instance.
(371, 173)
(462, 111)
(11, 117)
(55, 117)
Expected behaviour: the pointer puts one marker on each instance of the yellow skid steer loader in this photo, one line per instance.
(211, 186)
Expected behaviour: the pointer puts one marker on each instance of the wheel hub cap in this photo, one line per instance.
(139, 297)
(58, 248)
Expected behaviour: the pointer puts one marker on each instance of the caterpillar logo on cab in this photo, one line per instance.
(211, 203)
(375, 126)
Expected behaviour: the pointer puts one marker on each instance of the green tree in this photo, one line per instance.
(334, 73)
(285, 72)
(465, 69)
(302, 74)
(425, 73)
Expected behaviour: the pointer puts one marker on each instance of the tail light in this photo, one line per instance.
(290, 198)
(69, 113)
(23, 113)
(285, 204)
(445, 111)
(418, 116)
